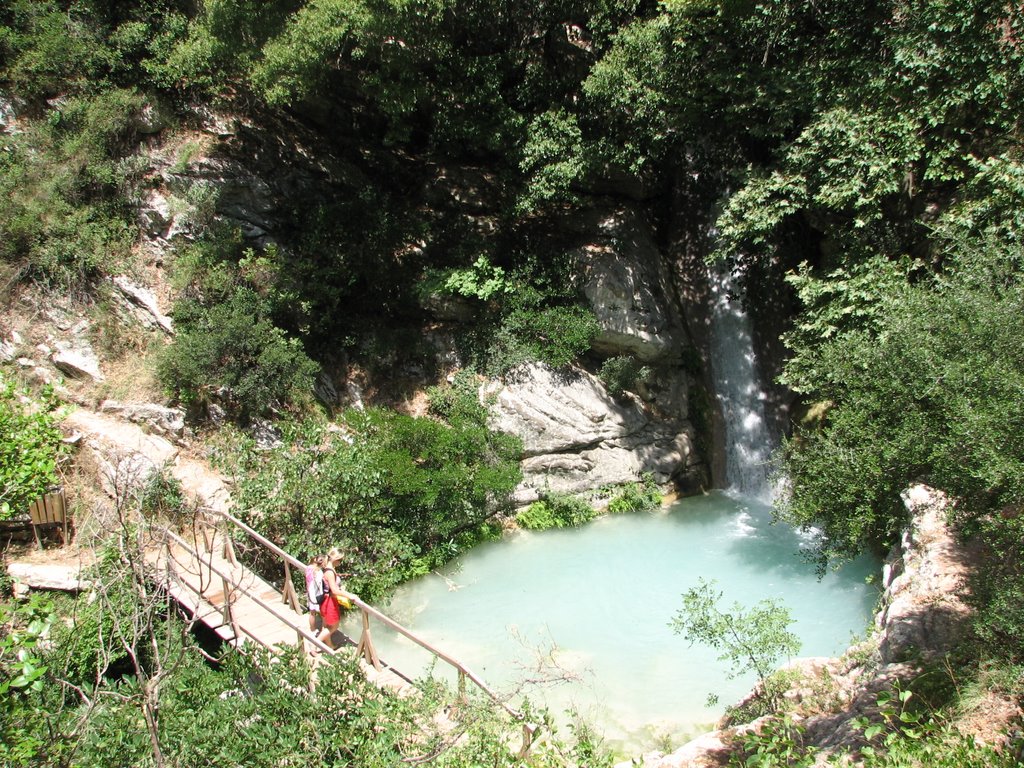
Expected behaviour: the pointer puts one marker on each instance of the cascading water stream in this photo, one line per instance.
(740, 396)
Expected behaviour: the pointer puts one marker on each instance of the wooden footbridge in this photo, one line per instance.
(201, 570)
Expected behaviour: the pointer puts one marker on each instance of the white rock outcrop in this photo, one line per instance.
(78, 361)
(625, 287)
(159, 418)
(577, 437)
(26, 576)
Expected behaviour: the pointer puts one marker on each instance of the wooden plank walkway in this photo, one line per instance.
(241, 607)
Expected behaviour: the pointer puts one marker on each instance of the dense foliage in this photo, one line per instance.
(248, 709)
(398, 495)
(30, 447)
(863, 158)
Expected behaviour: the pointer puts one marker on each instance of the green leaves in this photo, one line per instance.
(235, 346)
(750, 639)
(30, 446)
(397, 494)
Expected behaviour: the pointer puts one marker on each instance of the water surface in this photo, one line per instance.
(594, 605)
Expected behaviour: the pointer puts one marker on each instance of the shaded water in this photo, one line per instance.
(598, 600)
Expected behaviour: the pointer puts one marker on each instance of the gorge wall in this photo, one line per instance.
(577, 436)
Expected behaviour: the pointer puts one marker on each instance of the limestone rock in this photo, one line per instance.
(576, 437)
(161, 419)
(924, 613)
(78, 361)
(8, 351)
(706, 751)
(155, 214)
(143, 299)
(553, 411)
(626, 289)
(8, 116)
(124, 454)
(265, 433)
(153, 118)
(46, 576)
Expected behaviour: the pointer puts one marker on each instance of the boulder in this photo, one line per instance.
(154, 214)
(78, 361)
(45, 576)
(159, 418)
(625, 286)
(576, 437)
(143, 299)
(556, 411)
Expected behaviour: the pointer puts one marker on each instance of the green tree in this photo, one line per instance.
(233, 352)
(750, 639)
(398, 494)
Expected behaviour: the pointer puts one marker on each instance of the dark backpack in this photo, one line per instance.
(324, 591)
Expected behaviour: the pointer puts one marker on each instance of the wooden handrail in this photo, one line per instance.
(255, 598)
(258, 538)
(458, 665)
(369, 610)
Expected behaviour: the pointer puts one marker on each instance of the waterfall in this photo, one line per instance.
(737, 388)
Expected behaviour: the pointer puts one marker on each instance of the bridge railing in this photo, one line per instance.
(231, 589)
(365, 645)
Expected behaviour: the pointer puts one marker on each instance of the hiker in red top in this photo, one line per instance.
(336, 597)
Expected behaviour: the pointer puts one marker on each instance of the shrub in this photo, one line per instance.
(30, 446)
(234, 352)
(63, 216)
(635, 497)
(162, 497)
(620, 374)
(556, 336)
(557, 510)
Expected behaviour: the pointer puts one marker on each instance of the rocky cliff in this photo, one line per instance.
(578, 436)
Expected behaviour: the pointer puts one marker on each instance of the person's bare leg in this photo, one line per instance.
(325, 635)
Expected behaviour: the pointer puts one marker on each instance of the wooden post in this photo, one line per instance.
(287, 583)
(529, 733)
(229, 615)
(229, 549)
(36, 512)
(365, 646)
(462, 686)
(63, 502)
(225, 608)
(288, 594)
